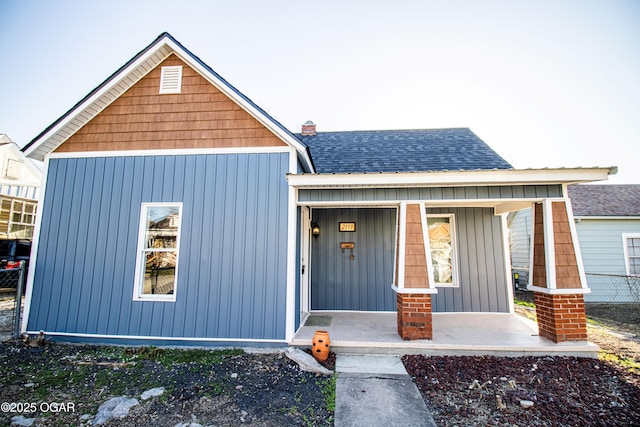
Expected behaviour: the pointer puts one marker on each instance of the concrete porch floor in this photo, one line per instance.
(454, 334)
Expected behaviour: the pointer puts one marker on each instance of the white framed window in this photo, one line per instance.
(631, 244)
(442, 242)
(20, 217)
(14, 169)
(158, 248)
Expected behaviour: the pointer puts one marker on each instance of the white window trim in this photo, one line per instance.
(140, 255)
(455, 281)
(625, 248)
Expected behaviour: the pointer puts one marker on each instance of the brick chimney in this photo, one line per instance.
(308, 128)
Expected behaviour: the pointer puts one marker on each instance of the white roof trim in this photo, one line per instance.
(126, 78)
(453, 178)
(601, 217)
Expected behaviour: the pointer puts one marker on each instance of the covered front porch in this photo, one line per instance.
(444, 250)
(459, 334)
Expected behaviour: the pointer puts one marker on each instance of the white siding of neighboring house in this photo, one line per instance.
(19, 175)
(602, 250)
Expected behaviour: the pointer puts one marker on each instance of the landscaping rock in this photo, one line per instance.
(19, 420)
(118, 407)
(306, 362)
(158, 391)
(526, 404)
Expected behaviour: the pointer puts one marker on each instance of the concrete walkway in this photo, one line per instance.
(377, 391)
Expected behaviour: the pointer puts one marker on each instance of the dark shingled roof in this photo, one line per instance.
(401, 151)
(605, 200)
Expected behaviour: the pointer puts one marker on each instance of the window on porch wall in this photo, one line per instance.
(443, 251)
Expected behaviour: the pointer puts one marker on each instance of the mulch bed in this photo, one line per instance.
(564, 391)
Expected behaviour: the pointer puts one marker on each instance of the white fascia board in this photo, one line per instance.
(453, 178)
(497, 204)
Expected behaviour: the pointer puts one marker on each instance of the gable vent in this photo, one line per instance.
(171, 79)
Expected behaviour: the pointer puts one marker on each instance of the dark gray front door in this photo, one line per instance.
(359, 278)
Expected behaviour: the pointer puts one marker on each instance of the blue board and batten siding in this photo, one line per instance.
(364, 282)
(232, 256)
(481, 264)
(430, 193)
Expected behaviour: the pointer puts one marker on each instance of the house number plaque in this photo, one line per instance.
(347, 226)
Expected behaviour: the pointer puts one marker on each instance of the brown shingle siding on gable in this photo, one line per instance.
(605, 200)
(143, 119)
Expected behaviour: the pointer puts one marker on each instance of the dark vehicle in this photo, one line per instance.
(14, 251)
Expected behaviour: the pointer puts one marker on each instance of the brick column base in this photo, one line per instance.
(414, 316)
(561, 317)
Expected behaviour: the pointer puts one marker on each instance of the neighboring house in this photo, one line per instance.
(177, 211)
(20, 176)
(607, 221)
(19, 190)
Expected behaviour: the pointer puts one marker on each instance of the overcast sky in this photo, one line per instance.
(545, 83)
